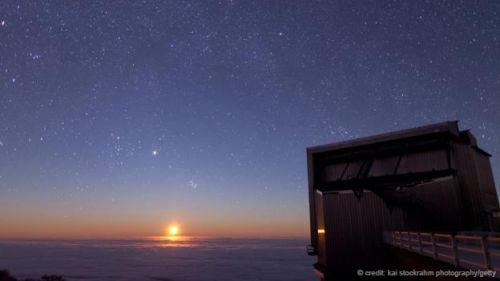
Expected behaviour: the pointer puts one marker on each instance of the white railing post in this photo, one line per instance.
(419, 243)
(434, 250)
(407, 239)
(486, 256)
(454, 245)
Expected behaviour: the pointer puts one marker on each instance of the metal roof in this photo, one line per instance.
(449, 127)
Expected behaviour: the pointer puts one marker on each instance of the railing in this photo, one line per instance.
(466, 251)
(311, 251)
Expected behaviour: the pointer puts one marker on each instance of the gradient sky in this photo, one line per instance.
(118, 118)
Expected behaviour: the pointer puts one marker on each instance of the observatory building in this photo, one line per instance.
(430, 179)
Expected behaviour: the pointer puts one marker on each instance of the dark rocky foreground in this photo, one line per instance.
(5, 276)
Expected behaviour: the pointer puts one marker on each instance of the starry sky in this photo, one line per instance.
(118, 118)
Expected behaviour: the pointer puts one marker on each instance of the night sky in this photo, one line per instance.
(118, 118)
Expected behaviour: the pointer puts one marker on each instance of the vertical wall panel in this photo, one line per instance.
(470, 191)
(320, 224)
(354, 229)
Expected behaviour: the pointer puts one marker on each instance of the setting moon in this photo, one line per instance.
(173, 230)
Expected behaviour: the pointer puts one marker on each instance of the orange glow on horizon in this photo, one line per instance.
(96, 223)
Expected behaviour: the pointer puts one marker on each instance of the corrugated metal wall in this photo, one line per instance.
(384, 166)
(370, 166)
(468, 182)
(334, 172)
(423, 161)
(320, 223)
(434, 205)
(354, 229)
(486, 182)
(488, 191)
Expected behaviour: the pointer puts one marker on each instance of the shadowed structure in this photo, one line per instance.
(429, 179)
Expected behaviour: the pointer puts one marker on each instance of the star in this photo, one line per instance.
(226, 104)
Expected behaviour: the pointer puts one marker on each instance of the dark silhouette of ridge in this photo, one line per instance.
(5, 276)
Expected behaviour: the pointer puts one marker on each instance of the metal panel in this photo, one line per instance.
(352, 170)
(384, 166)
(445, 128)
(472, 205)
(334, 172)
(487, 182)
(320, 230)
(423, 161)
(311, 175)
(432, 205)
(354, 229)
(489, 196)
